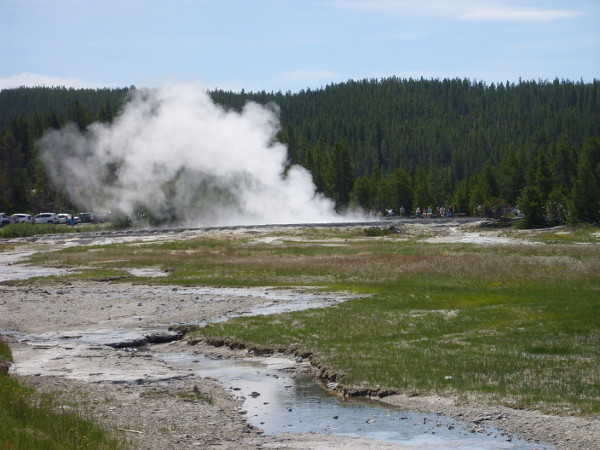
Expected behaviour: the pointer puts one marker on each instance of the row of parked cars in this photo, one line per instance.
(85, 217)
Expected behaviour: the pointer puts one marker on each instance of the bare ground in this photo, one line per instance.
(150, 405)
(154, 407)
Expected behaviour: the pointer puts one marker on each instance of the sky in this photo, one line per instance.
(290, 45)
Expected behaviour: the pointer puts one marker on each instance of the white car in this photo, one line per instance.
(22, 218)
(46, 218)
(63, 218)
(5, 219)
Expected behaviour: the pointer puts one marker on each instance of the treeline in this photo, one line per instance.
(417, 143)
(381, 144)
(25, 114)
(49, 105)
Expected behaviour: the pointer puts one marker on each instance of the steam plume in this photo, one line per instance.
(175, 154)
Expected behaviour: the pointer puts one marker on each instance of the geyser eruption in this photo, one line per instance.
(175, 155)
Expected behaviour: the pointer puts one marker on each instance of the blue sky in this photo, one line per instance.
(290, 45)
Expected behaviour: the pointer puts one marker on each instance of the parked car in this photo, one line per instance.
(46, 218)
(22, 218)
(63, 218)
(68, 219)
(5, 219)
(87, 217)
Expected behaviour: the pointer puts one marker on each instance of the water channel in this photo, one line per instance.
(279, 400)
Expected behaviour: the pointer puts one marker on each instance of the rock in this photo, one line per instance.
(4, 367)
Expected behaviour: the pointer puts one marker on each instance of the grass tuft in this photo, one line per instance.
(30, 420)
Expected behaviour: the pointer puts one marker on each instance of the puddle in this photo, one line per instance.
(13, 270)
(279, 401)
(149, 272)
(456, 237)
(278, 300)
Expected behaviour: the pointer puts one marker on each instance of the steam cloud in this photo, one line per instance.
(175, 154)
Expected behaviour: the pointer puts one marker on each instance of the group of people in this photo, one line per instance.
(442, 212)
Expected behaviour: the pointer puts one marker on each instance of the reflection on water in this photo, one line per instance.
(280, 401)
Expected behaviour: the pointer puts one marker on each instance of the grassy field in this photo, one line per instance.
(31, 420)
(518, 324)
(20, 230)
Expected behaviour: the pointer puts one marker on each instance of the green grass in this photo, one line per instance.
(580, 234)
(5, 353)
(516, 324)
(524, 347)
(31, 420)
(19, 230)
(196, 397)
(193, 395)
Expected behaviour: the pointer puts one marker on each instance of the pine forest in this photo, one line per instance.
(379, 145)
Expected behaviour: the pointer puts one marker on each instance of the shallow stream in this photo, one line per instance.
(278, 400)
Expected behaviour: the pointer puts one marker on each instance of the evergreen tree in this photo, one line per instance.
(591, 152)
(342, 173)
(462, 196)
(563, 163)
(402, 187)
(585, 197)
(380, 189)
(422, 195)
(107, 113)
(363, 193)
(543, 176)
(557, 206)
(318, 160)
(22, 135)
(12, 193)
(532, 206)
(511, 179)
(79, 115)
(488, 181)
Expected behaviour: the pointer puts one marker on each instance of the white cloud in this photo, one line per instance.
(37, 80)
(467, 10)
